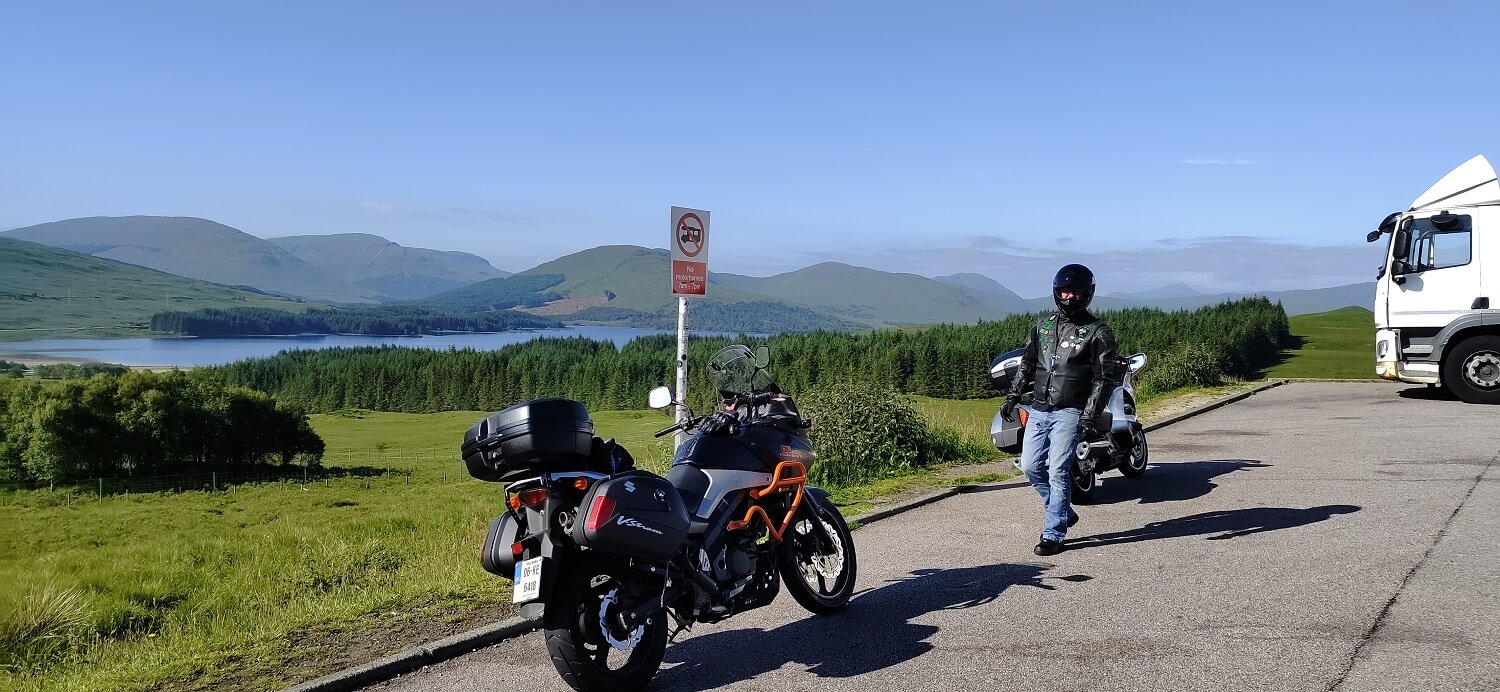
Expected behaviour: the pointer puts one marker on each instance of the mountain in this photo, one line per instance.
(196, 248)
(1172, 290)
(626, 276)
(1295, 302)
(49, 292)
(388, 270)
(872, 297)
(989, 292)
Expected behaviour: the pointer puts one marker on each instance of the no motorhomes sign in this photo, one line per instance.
(689, 252)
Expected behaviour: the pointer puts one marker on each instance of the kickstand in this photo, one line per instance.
(682, 626)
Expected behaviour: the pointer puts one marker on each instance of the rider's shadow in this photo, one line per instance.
(874, 632)
(1217, 526)
(1171, 481)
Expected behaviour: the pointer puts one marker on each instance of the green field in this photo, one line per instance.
(256, 587)
(1339, 344)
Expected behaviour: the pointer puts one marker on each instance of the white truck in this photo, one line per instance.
(1437, 312)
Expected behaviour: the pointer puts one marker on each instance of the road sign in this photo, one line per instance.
(689, 252)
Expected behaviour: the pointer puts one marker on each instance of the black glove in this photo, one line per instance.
(721, 423)
(1008, 409)
(1086, 431)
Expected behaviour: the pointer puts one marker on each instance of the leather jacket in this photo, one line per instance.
(1069, 364)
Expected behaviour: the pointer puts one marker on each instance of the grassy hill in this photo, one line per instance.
(875, 298)
(195, 248)
(48, 292)
(389, 270)
(1337, 344)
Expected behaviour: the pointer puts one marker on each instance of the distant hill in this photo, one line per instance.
(385, 269)
(520, 291)
(1296, 302)
(47, 288)
(1172, 290)
(196, 248)
(872, 297)
(988, 292)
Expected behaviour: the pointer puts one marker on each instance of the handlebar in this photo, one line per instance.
(664, 431)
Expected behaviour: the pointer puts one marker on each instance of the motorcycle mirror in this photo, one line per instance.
(661, 397)
(762, 356)
(1137, 362)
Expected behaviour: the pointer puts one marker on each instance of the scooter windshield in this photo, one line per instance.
(732, 371)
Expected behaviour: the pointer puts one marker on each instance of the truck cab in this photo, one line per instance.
(1437, 312)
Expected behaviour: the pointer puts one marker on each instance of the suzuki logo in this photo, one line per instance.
(629, 486)
(635, 524)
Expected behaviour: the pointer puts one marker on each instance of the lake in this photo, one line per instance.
(192, 351)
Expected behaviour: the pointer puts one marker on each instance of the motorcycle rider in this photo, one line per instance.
(1069, 368)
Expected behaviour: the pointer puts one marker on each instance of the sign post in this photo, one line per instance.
(689, 278)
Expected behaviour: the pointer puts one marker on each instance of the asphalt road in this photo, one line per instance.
(1312, 537)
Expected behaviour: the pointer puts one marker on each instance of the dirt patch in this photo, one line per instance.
(1162, 409)
(566, 306)
(321, 651)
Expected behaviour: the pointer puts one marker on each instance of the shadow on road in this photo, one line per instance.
(1425, 393)
(1170, 482)
(875, 632)
(1226, 524)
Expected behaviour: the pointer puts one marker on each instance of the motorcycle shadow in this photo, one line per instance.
(875, 631)
(1218, 526)
(1170, 482)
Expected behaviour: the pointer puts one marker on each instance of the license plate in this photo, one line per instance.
(528, 582)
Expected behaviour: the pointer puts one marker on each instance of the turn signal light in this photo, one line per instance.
(1024, 416)
(514, 503)
(581, 483)
(533, 498)
(600, 514)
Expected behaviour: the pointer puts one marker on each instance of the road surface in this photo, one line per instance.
(1312, 537)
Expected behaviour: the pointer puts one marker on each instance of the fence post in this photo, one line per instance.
(216, 481)
(101, 489)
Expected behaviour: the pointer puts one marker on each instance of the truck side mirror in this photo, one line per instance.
(1401, 246)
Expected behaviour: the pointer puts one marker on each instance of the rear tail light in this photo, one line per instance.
(600, 514)
(533, 498)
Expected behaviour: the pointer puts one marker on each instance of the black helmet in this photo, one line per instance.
(1078, 280)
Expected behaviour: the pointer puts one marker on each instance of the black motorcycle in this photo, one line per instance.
(611, 556)
(1120, 442)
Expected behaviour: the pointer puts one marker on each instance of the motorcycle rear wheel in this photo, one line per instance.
(578, 637)
(1084, 485)
(821, 581)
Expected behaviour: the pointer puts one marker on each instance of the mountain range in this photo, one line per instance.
(346, 268)
(615, 284)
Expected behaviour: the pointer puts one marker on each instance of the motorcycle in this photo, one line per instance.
(606, 553)
(1119, 443)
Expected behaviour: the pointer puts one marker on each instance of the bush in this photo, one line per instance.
(861, 433)
(1188, 364)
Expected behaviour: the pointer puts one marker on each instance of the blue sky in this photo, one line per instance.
(1230, 147)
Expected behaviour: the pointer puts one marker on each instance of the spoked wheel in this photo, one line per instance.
(589, 648)
(820, 577)
(1084, 484)
(1135, 464)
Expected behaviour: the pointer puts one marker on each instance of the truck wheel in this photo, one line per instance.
(1472, 370)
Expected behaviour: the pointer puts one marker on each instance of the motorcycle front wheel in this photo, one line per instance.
(820, 578)
(588, 648)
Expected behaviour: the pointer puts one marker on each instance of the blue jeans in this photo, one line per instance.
(1047, 460)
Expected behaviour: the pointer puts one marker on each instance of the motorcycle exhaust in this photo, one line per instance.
(1090, 452)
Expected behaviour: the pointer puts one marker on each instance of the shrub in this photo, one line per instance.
(1188, 364)
(862, 432)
